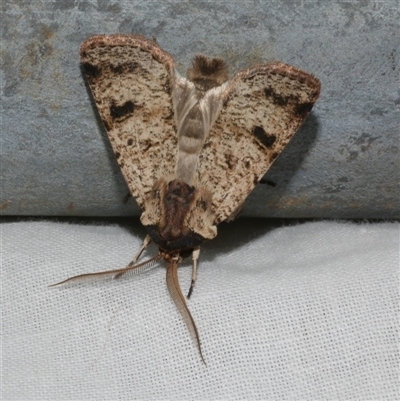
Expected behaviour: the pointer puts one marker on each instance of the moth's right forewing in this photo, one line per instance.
(262, 109)
(131, 79)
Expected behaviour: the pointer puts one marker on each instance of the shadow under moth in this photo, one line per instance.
(190, 149)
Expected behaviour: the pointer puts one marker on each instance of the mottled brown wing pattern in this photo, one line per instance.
(131, 79)
(263, 108)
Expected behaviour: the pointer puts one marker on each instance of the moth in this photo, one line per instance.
(190, 149)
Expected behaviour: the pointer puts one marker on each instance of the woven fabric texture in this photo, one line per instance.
(285, 312)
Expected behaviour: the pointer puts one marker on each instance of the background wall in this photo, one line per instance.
(344, 162)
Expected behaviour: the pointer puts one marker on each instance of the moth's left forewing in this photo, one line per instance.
(263, 107)
(132, 79)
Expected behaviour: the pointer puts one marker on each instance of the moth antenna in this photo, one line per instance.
(180, 303)
(140, 268)
(146, 243)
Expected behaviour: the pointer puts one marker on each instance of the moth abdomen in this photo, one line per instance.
(207, 73)
(190, 143)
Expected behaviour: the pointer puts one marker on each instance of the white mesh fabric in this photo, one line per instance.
(305, 311)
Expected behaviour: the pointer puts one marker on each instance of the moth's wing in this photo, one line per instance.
(262, 108)
(131, 79)
(184, 98)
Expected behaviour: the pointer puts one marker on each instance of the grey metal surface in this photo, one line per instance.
(344, 162)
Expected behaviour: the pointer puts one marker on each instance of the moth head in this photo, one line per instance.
(207, 73)
(186, 218)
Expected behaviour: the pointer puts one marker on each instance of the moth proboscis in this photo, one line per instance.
(190, 149)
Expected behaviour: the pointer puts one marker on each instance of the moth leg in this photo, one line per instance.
(126, 198)
(195, 258)
(145, 244)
